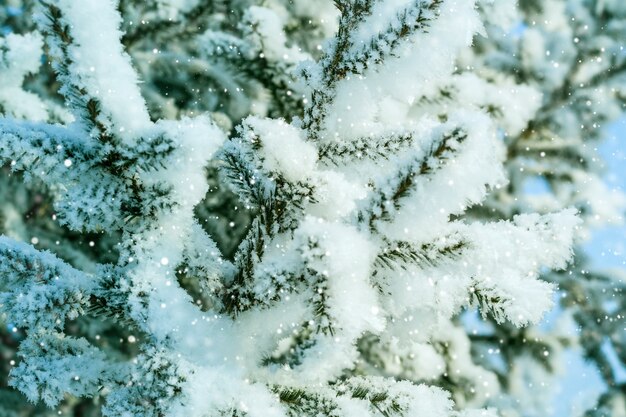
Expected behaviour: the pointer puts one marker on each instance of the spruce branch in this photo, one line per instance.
(110, 297)
(489, 304)
(302, 339)
(416, 17)
(317, 279)
(186, 25)
(366, 148)
(148, 390)
(42, 150)
(389, 195)
(249, 61)
(352, 14)
(301, 402)
(380, 400)
(400, 254)
(54, 365)
(279, 204)
(87, 109)
(40, 292)
(345, 58)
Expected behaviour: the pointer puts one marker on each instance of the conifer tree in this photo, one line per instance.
(353, 179)
(552, 76)
(571, 54)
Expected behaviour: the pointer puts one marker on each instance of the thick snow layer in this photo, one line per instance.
(101, 67)
(318, 274)
(284, 149)
(463, 181)
(21, 56)
(403, 76)
(156, 252)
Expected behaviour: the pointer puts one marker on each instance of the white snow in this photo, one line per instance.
(22, 57)
(284, 148)
(266, 26)
(327, 258)
(100, 65)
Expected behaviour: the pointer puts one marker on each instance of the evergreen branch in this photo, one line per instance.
(40, 290)
(246, 181)
(44, 150)
(59, 157)
(54, 363)
(292, 356)
(86, 109)
(99, 181)
(389, 195)
(110, 298)
(305, 403)
(148, 154)
(367, 148)
(380, 401)
(320, 302)
(301, 402)
(146, 201)
(414, 18)
(279, 203)
(399, 254)
(312, 254)
(187, 24)
(488, 304)
(157, 377)
(352, 14)
(102, 308)
(342, 60)
(291, 395)
(273, 218)
(277, 77)
(238, 295)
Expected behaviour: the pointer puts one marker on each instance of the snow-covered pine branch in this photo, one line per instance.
(560, 66)
(111, 169)
(352, 245)
(412, 202)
